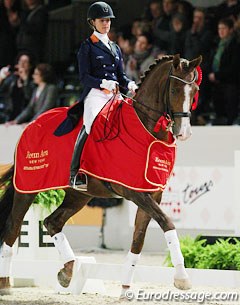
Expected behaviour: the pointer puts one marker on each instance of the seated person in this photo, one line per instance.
(16, 86)
(142, 57)
(43, 98)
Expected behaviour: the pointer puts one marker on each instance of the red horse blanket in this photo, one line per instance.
(119, 149)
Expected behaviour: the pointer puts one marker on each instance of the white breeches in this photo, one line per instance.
(93, 103)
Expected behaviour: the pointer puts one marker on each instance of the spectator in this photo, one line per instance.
(199, 41)
(137, 23)
(186, 9)
(227, 9)
(153, 11)
(237, 29)
(126, 44)
(177, 35)
(33, 29)
(13, 9)
(199, 37)
(43, 98)
(9, 20)
(140, 26)
(161, 30)
(16, 85)
(142, 57)
(225, 73)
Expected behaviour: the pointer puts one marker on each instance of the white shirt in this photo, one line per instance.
(103, 37)
(39, 91)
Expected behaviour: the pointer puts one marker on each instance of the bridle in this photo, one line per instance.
(166, 117)
(171, 114)
(167, 111)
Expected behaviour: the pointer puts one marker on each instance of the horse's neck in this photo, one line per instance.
(149, 95)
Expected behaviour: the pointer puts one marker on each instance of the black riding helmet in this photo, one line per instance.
(99, 10)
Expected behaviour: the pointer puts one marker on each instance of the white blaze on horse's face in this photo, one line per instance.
(185, 130)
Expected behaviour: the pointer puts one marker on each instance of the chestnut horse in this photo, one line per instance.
(167, 88)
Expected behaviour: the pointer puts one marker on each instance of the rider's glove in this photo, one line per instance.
(110, 85)
(132, 86)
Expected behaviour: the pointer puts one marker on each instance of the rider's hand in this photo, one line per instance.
(110, 85)
(132, 86)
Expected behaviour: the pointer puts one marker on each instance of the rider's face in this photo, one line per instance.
(102, 25)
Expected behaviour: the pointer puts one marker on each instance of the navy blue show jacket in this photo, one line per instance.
(97, 62)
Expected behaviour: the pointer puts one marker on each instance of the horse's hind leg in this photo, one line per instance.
(21, 203)
(141, 223)
(73, 202)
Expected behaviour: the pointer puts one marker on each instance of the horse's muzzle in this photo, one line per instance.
(184, 131)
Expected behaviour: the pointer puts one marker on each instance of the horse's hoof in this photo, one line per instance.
(183, 284)
(63, 279)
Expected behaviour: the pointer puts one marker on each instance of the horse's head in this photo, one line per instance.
(165, 96)
(181, 89)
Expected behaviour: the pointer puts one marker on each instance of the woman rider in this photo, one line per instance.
(101, 72)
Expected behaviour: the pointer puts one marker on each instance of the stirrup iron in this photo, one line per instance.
(80, 187)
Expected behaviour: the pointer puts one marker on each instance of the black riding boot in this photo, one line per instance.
(78, 181)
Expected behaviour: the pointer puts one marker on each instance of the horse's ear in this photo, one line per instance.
(194, 63)
(176, 61)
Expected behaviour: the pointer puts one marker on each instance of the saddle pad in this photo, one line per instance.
(42, 160)
(121, 150)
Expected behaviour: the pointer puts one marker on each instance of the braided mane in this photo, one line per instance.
(153, 65)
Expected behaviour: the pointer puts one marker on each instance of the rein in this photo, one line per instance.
(166, 117)
(108, 134)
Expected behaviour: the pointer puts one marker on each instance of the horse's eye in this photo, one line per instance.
(174, 91)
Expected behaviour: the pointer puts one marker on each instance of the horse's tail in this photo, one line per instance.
(6, 200)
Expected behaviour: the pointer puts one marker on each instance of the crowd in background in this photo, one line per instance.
(27, 84)
(29, 87)
(171, 27)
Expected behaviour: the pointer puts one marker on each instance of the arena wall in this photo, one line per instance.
(202, 197)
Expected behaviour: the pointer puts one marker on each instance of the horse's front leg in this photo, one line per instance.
(141, 223)
(73, 202)
(181, 280)
(146, 202)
